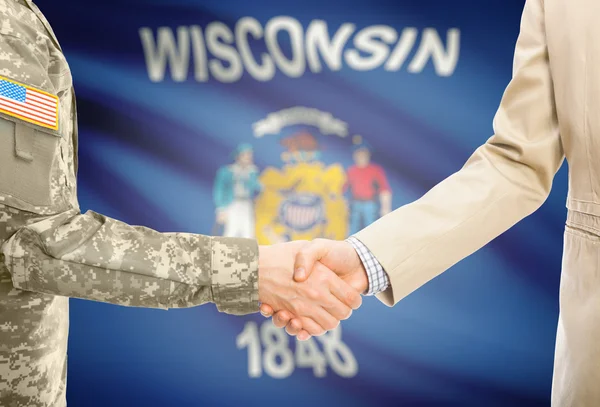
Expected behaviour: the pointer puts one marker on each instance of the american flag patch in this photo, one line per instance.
(29, 104)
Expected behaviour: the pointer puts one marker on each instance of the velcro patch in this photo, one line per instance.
(28, 104)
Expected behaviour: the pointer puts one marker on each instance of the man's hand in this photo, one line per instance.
(338, 256)
(317, 303)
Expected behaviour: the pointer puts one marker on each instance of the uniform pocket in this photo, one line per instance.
(27, 159)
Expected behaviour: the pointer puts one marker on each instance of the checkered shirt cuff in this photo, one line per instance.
(378, 278)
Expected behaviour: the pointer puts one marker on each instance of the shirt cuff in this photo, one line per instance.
(378, 278)
(235, 275)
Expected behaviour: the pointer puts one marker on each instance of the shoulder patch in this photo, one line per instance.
(29, 104)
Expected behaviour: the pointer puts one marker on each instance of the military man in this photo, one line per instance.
(51, 251)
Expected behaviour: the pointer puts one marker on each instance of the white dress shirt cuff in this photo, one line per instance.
(378, 278)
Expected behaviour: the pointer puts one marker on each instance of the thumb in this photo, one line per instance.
(361, 285)
(307, 257)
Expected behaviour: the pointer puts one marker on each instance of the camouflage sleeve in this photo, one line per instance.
(94, 257)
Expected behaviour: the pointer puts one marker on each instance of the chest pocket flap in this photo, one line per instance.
(29, 146)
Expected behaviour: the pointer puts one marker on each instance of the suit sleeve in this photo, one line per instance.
(505, 180)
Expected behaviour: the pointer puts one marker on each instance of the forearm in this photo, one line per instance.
(460, 215)
(94, 257)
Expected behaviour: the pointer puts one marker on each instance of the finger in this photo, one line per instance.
(266, 310)
(311, 327)
(344, 292)
(331, 303)
(307, 257)
(281, 318)
(321, 317)
(303, 336)
(294, 327)
(337, 309)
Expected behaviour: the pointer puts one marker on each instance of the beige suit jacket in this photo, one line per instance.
(550, 109)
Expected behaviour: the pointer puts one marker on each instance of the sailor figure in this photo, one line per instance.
(236, 186)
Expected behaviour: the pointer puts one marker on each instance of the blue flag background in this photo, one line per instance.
(155, 132)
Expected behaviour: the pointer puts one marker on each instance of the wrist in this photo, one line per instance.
(370, 276)
(362, 278)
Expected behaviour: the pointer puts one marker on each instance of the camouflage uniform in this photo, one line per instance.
(50, 251)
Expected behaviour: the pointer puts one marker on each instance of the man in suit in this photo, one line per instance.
(548, 111)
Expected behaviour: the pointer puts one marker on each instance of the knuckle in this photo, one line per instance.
(353, 299)
(307, 247)
(296, 325)
(350, 298)
(312, 293)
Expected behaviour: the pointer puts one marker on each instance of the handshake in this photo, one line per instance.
(309, 287)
